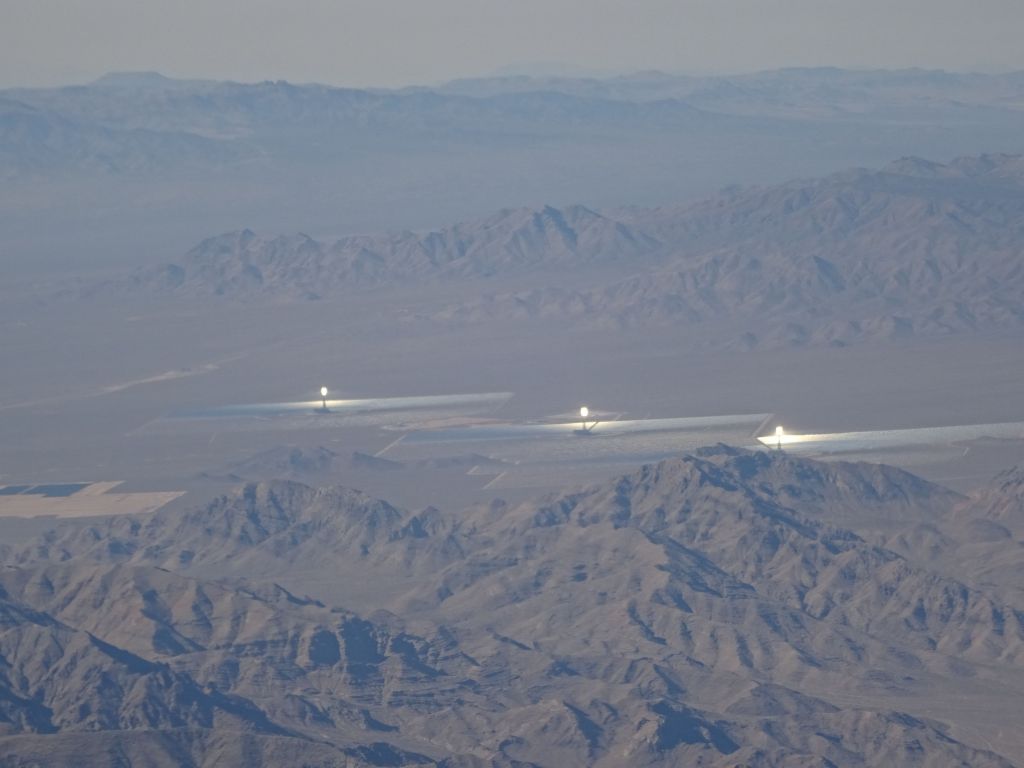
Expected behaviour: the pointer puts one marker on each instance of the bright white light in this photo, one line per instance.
(584, 412)
(323, 391)
(779, 432)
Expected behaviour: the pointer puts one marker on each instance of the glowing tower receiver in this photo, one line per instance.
(779, 434)
(585, 429)
(323, 396)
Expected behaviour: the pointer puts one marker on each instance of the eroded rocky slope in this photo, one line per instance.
(727, 608)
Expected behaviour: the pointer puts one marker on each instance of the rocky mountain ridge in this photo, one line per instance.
(917, 248)
(722, 607)
(58, 679)
(914, 249)
(244, 264)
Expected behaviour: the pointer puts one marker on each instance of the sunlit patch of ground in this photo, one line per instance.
(67, 500)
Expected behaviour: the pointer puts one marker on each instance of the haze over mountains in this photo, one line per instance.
(707, 609)
(165, 162)
(914, 248)
(819, 91)
(278, 118)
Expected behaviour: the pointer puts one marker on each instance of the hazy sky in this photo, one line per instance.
(398, 42)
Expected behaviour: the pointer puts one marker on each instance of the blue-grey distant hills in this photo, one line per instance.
(244, 264)
(281, 116)
(807, 92)
(40, 141)
(136, 162)
(916, 247)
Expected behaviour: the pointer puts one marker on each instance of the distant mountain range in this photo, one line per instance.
(144, 123)
(818, 92)
(229, 110)
(137, 162)
(916, 248)
(726, 608)
(245, 265)
(36, 140)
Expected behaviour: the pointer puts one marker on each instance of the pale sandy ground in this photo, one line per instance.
(92, 501)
